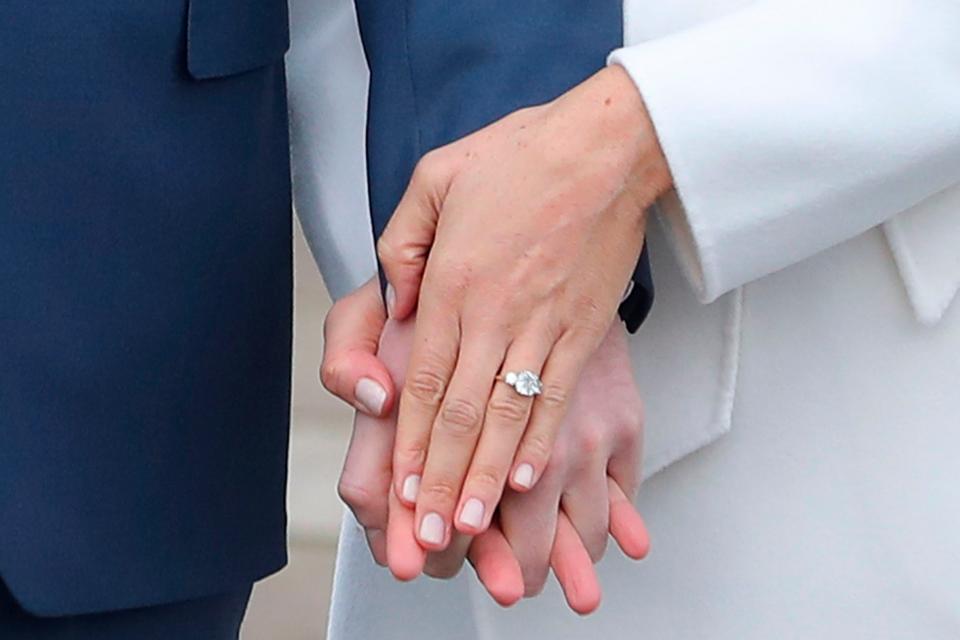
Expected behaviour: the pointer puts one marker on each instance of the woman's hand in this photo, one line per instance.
(585, 494)
(533, 227)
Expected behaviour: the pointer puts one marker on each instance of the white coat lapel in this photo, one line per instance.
(925, 241)
(685, 357)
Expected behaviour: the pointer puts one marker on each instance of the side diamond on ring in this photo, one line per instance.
(526, 383)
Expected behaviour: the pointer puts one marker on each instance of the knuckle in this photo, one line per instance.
(461, 417)
(430, 168)
(387, 251)
(411, 457)
(538, 445)
(594, 319)
(589, 330)
(394, 252)
(355, 496)
(330, 374)
(426, 385)
(451, 278)
(510, 408)
(443, 491)
(486, 479)
(555, 396)
(590, 441)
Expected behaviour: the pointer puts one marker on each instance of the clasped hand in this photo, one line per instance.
(514, 245)
(563, 523)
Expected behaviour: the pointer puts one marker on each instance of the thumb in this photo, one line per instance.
(405, 243)
(350, 369)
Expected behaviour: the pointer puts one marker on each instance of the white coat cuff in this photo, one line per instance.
(790, 127)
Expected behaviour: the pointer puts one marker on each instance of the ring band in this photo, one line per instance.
(526, 382)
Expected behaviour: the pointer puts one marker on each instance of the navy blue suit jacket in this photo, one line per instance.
(145, 299)
(441, 69)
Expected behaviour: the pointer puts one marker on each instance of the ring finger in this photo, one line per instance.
(560, 375)
(505, 419)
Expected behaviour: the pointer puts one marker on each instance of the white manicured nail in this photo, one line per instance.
(411, 487)
(523, 476)
(431, 528)
(391, 295)
(370, 395)
(472, 513)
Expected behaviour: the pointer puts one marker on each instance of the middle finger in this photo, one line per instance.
(507, 413)
(454, 436)
(432, 359)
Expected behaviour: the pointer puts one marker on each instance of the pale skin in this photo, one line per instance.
(563, 524)
(514, 245)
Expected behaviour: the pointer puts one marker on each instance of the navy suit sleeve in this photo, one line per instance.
(441, 69)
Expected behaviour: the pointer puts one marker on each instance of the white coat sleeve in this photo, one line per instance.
(791, 126)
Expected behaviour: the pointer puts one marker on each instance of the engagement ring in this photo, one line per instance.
(526, 383)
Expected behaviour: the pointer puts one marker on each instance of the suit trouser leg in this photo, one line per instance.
(212, 618)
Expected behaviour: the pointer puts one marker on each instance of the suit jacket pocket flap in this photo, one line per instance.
(226, 37)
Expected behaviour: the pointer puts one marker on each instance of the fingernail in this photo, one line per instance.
(523, 476)
(370, 395)
(391, 296)
(431, 528)
(411, 487)
(472, 513)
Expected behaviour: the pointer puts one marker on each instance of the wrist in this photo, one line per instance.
(622, 122)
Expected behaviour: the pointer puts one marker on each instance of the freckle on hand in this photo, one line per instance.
(607, 102)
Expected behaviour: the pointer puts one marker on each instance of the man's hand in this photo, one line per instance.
(533, 227)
